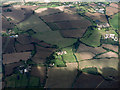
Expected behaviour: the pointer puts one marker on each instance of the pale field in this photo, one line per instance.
(111, 47)
(61, 77)
(48, 11)
(111, 11)
(102, 65)
(84, 55)
(108, 54)
(97, 16)
(114, 5)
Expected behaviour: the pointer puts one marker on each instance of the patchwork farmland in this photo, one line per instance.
(60, 45)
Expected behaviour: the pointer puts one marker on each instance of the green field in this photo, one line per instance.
(54, 38)
(13, 81)
(59, 63)
(21, 80)
(114, 21)
(33, 81)
(69, 57)
(91, 37)
(34, 23)
(43, 32)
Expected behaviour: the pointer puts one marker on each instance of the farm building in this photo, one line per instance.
(104, 25)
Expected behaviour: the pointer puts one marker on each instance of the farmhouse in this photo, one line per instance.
(22, 69)
(61, 53)
(14, 36)
(101, 10)
(116, 39)
(112, 36)
(103, 25)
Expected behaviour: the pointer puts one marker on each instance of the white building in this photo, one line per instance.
(115, 39)
(61, 53)
(112, 36)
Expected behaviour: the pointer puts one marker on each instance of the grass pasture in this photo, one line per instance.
(69, 57)
(21, 80)
(54, 38)
(33, 81)
(35, 23)
(91, 37)
(114, 21)
(16, 80)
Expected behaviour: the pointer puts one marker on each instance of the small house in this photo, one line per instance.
(112, 36)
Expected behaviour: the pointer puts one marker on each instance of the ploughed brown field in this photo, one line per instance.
(9, 68)
(40, 72)
(88, 81)
(109, 84)
(41, 54)
(75, 33)
(16, 57)
(39, 42)
(24, 39)
(61, 77)
(81, 24)
(97, 16)
(61, 17)
(86, 52)
(23, 48)
(6, 24)
(8, 45)
(16, 15)
(111, 47)
(111, 11)
(44, 44)
(84, 48)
